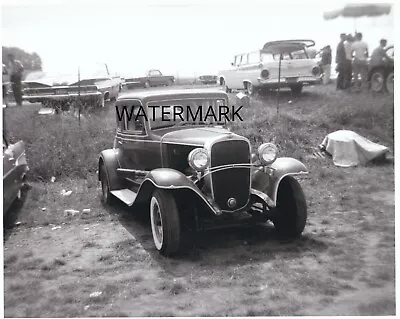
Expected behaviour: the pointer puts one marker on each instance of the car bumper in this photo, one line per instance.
(288, 81)
(60, 97)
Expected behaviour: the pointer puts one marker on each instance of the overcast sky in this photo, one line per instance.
(179, 38)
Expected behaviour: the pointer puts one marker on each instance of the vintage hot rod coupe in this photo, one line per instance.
(196, 174)
(284, 63)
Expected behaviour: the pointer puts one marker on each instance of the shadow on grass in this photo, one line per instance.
(243, 244)
(10, 217)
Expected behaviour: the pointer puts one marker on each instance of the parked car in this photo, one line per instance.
(260, 69)
(195, 175)
(152, 78)
(381, 72)
(15, 168)
(208, 79)
(93, 84)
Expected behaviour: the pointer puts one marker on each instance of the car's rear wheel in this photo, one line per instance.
(291, 208)
(106, 196)
(377, 81)
(147, 84)
(249, 88)
(296, 89)
(170, 82)
(390, 82)
(165, 222)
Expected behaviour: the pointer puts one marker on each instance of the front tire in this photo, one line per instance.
(291, 208)
(106, 196)
(377, 81)
(249, 88)
(147, 84)
(390, 82)
(165, 222)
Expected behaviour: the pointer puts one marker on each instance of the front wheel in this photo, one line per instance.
(106, 196)
(390, 82)
(147, 84)
(165, 222)
(291, 208)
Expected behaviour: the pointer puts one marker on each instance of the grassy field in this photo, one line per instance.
(103, 262)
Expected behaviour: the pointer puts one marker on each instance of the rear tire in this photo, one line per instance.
(377, 81)
(249, 88)
(390, 82)
(291, 207)
(165, 222)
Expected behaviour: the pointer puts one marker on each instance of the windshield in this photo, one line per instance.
(181, 112)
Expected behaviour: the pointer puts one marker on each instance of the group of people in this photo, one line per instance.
(13, 73)
(351, 58)
(352, 61)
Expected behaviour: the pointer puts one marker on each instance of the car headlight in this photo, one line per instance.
(198, 159)
(267, 153)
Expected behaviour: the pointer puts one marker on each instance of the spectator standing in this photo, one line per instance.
(379, 54)
(326, 63)
(16, 70)
(348, 67)
(360, 67)
(341, 61)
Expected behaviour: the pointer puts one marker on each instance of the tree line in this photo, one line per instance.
(30, 61)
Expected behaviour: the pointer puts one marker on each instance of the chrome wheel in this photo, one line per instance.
(147, 84)
(156, 223)
(377, 81)
(390, 82)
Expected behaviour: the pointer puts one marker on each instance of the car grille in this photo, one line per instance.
(233, 182)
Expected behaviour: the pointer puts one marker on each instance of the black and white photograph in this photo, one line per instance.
(198, 158)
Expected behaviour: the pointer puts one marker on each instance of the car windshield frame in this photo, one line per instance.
(185, 103)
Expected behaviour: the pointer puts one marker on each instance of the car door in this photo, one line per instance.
(231, 73)
(136, 148)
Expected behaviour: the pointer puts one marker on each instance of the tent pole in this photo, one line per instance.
(279, 83)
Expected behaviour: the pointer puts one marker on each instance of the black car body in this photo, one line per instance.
(195, 174)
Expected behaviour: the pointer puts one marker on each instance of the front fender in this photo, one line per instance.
(267, 180)
(167, 178)
(109, 158)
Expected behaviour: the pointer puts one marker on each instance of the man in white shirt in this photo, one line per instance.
(360, 68)
(348, 68)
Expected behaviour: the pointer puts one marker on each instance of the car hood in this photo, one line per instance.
(198, 136)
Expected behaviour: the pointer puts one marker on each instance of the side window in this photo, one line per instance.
(254, 57)
(155, 73)
(131, 120)
(244, 59)
(136, 123)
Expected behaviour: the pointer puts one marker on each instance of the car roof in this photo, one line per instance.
(154, 95)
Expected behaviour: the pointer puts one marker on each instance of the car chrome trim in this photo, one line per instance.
(56, 96)
(208, 146)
